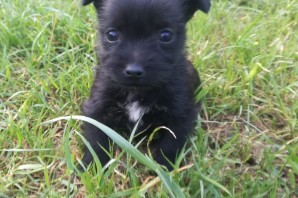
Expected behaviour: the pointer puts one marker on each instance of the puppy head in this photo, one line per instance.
(189, 6)
(142, 41)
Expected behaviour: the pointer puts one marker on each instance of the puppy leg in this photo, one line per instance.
(169, 147)
(97, 140)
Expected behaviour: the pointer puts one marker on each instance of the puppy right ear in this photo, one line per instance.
(96, 3)
(86, 2)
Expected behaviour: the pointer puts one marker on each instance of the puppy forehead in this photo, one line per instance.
(145, 14)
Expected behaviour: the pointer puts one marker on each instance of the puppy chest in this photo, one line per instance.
(135, 111)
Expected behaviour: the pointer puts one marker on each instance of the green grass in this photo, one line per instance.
(247, 138)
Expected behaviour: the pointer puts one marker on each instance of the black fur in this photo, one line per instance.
(143, 64)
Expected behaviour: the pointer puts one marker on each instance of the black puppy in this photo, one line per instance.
(143, 74)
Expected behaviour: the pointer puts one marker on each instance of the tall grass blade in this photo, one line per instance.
(173, 188)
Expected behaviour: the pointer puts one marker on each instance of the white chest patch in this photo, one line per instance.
(135, 111)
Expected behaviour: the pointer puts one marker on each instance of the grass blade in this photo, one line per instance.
(173, 188)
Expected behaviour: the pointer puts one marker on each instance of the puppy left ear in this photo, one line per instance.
(191, 6)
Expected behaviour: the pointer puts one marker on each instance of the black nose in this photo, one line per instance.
(134, 71)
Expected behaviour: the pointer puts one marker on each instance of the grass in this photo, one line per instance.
(246, 141)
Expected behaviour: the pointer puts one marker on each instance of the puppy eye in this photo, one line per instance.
(112, 35)
(166, 36)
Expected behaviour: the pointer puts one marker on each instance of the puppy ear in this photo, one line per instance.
(86, 2)
(97, 3)
(191, 6)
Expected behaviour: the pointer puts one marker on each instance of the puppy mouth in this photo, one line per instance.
(134, 83)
